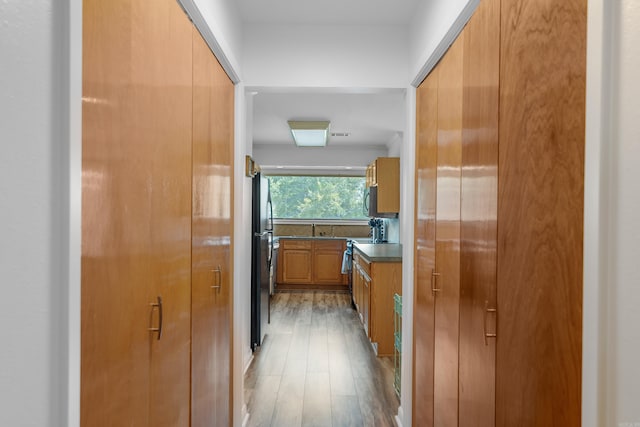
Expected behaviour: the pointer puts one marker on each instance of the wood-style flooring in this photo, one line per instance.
(316, 367)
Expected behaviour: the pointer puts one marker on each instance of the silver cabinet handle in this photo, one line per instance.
(153, 306)
(218, 278)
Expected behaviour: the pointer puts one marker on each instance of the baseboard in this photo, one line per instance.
(245, 415)
(398, 418)
(246, 366)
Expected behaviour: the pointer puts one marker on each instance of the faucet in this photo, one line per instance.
(313, 230)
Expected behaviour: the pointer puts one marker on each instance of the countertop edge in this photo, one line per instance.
(380, 252)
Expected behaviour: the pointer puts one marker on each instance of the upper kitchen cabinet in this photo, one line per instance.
(383, 182)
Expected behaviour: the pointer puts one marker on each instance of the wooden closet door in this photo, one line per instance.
(167, 70)
(448, 236)
(425, 249)
(116, 250)
(540, 212)
(135, 213)
(212, 236)
(479, 204)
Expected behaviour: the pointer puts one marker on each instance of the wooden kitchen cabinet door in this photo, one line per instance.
(425, 254)
(212, 285)
(136, 209)
(296, 258)
(366, 303)
(327, 262)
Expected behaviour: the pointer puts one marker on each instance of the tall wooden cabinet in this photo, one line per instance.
(144, 132)
(516, 196)
(211, 314)
(136, 210)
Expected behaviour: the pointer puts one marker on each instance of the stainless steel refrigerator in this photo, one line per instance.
(261, 257)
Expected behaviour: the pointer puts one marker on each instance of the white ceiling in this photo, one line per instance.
(372, 119)
(327, 11)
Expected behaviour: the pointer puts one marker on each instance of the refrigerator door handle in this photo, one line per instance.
(270, 217)
(270, 248)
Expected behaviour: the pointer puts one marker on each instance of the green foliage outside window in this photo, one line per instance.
(317, 197)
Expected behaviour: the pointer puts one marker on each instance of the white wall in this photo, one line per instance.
(435, 25)
(241, 251)
(623, 191)
(407, 214)
(325, 56)
(220, 25)
(327, 157)
(36, 164)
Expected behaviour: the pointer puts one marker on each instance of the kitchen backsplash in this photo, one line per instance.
(322, 230)
(392, 229)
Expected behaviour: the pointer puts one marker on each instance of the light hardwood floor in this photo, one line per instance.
(316, 367)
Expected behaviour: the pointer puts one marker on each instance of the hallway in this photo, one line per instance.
(316, 367)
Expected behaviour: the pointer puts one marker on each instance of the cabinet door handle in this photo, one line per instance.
(153, 306)
(434, 280)
(487, 310)
(217, 273)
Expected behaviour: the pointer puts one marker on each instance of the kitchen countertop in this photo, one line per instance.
(380, 252)
(312, 238)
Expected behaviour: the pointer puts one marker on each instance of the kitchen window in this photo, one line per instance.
(317, 197)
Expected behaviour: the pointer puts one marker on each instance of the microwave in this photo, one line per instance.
(370, 205)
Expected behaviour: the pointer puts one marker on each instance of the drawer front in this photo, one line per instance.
(295, 244)
(366, 266)
(329, 245)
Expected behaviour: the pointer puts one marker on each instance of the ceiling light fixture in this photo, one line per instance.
(309, 133)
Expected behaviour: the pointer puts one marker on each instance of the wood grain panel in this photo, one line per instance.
(136, 226)
(296, 266)
(387, 178)
(366, 304)
(211, 385)
(448, 236)
(479, 206)
(327, 261)
(167, 41)
(424, 248)
(540, 211)
(386, 280)
(115, 248)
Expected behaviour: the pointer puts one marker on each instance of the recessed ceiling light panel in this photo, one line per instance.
(309, 133)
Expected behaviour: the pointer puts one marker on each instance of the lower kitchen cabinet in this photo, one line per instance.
(327, 262)
(295, 262)
(374, 284)
(311, 263)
